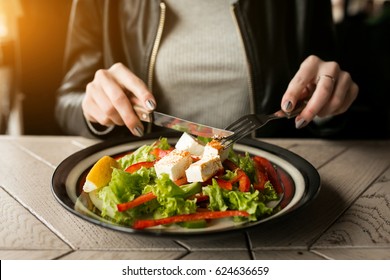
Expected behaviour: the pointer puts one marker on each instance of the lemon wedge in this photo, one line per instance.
(100, 174)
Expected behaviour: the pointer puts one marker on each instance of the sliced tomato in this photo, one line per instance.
(137, 166)
(142, 224)
(143, 198)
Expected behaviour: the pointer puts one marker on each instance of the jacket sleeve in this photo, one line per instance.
(83, 57)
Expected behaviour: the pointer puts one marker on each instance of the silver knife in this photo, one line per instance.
(172, 122)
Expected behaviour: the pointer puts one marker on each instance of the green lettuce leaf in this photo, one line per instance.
(128, 185)
(162, 144)
(125, 187)
(243, 162)
(143, 153)
(269, 193)
(216, 196)
(172, 198)
(139, 155)
(109, 208)
(221, 200)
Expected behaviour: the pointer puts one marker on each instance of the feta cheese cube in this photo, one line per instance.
(215, 148)
(174, 164)
(203, 169)
(190, 144)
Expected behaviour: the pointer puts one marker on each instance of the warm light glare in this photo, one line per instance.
(3, 26)
(10, 11)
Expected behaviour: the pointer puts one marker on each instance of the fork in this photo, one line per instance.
(251, 122)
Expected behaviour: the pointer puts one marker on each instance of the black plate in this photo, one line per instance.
(302, 187)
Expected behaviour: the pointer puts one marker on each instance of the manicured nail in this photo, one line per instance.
(138, 131)
(287, 106)
(150, 104)
(300, 123)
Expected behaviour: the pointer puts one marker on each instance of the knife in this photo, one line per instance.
(175, 123)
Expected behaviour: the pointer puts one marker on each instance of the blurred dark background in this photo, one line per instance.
(31, 57)
(363, 33)
(37, 63)
(43, 30)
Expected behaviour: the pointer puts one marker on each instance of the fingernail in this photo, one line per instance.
(300, 123)
(138, 131)
(287, 106)
(150, 104)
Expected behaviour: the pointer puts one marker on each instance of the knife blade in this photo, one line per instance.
(179, 124)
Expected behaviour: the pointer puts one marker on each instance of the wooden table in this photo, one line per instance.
(350, 218)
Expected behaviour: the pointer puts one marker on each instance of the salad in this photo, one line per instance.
(188, 185)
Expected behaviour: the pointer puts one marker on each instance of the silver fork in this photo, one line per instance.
(249, 123)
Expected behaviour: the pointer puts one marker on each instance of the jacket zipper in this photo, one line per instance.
(248, 64)
(156, 45)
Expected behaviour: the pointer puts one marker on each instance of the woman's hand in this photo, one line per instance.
(110, 97)
(330, 91)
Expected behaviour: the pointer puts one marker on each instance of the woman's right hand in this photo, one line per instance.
(110, 98)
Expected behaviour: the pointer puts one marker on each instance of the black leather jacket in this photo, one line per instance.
(278, 35)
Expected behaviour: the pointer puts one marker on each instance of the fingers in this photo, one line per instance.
(344, 94)
(328, 89)
(111, 95)
(135, 85)
(100, 107)
(300, 85)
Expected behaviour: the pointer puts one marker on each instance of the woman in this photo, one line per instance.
(205, 61)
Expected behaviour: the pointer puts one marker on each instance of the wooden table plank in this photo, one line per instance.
(51, 150)
(365, 224)
(218, 255)
(229, 242)
(344, 178)
(31, 254)
(355, 253)
(21, 231)
(124, 255)
(320, 152)
(285, 255)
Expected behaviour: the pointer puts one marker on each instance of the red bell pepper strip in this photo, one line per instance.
(289, 187)
(142, 224)
(228, 164)
(243, 180)
(160, 153)
(201, 198)
(224, 184)
(244, 183)
(143, 198)
(271, 172)
(136, 166)
(181, 181)
(261, 177)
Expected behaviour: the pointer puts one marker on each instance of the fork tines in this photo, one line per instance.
(241, 128)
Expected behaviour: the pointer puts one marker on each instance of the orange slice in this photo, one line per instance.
(100, 174)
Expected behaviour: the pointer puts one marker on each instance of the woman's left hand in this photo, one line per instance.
(329, 90)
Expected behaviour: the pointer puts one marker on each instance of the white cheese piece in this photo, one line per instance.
(215, 148)
(190, 144)
(174, 164)
(203, 169)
